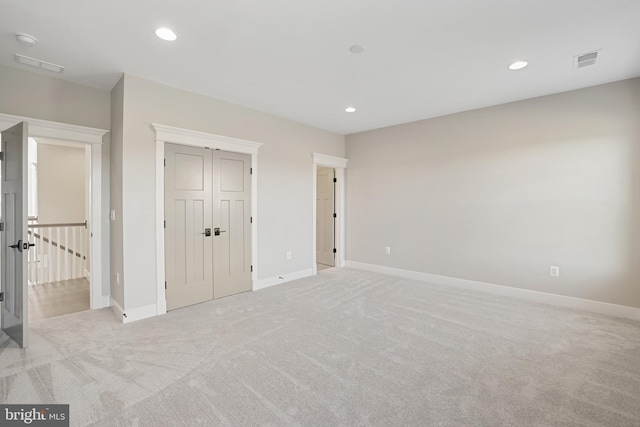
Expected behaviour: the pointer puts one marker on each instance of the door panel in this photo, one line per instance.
(14, 213)
(325, 230)
(188, 212)
(232, 212)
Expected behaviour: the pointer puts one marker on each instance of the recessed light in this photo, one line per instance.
(350, 109)
(166, 34)
(518, 65)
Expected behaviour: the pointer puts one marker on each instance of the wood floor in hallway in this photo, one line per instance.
(55, 299)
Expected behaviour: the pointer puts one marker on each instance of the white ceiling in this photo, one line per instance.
(291, 58)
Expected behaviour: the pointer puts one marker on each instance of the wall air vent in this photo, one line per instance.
(585, 59)
(43, 65)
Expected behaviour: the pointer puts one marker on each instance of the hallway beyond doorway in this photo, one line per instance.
(53, 299)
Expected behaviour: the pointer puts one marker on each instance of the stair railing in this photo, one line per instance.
(60, 252)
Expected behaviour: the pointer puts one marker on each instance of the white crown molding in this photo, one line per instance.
(329, 161)
(55, 130)
(205, 140)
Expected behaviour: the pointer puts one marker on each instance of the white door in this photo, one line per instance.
(14, 237)
(325, 220)
(232, 222)
(188, 216)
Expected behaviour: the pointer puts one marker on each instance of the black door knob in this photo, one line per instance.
(17, 246)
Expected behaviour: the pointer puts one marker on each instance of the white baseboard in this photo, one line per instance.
(542, 297)
(117, 310)
(139, 313)
(134, 314)
(283, 278)
(100, 301)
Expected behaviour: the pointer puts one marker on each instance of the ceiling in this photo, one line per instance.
(291, 58)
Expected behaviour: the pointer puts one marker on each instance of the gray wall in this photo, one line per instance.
(499, 194)
(117, 123)
(29, 94)
(285, 178)
(61, 184)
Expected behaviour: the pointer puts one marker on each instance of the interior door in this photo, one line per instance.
(188, 217)
(232, 218)
(14, 237)
(325, 222)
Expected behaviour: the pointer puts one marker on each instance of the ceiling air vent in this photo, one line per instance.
(585, 60)
(37, 63)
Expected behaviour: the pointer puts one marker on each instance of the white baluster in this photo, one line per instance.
(74, 248)
(66, 253)
(58, 257)
(83, 245)
(49, 254)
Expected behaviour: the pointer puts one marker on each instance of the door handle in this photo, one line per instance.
(217, 231)
(17, 246)
(207, 232)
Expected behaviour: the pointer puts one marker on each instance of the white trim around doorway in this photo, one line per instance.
(93, 138)
(193, 138)
(339, 164)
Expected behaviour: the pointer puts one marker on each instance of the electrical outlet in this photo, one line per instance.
(554, 271)
(289, 256)
(387, 250)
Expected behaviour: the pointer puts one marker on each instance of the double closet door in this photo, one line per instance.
(207, 224)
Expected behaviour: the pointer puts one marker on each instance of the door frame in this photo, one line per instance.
(179, 136)
(93, 139)
(339, 164)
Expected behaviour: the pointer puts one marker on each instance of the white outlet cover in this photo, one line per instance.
(554, 271)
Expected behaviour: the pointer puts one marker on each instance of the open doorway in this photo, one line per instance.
(14, 228)
(58, 204)
(328, 211)
(325, 218)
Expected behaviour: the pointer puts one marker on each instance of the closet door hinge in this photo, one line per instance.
(335, 179)
(250, 171)
(165, 162)
(165, 223)
(335, 215)
(334, 250)
(1, 296)
(252, 268)
(1, 226)
(165, 284)
(1, 156)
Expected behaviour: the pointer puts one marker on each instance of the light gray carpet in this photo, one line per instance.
(342, 348)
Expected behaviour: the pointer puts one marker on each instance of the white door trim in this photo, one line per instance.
(93, 138)
(339, 164)
(193, 138)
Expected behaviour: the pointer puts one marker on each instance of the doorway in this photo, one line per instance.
(58, 195)
(92, 140)
(328, 221)
(207, 224)
(325, 217)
